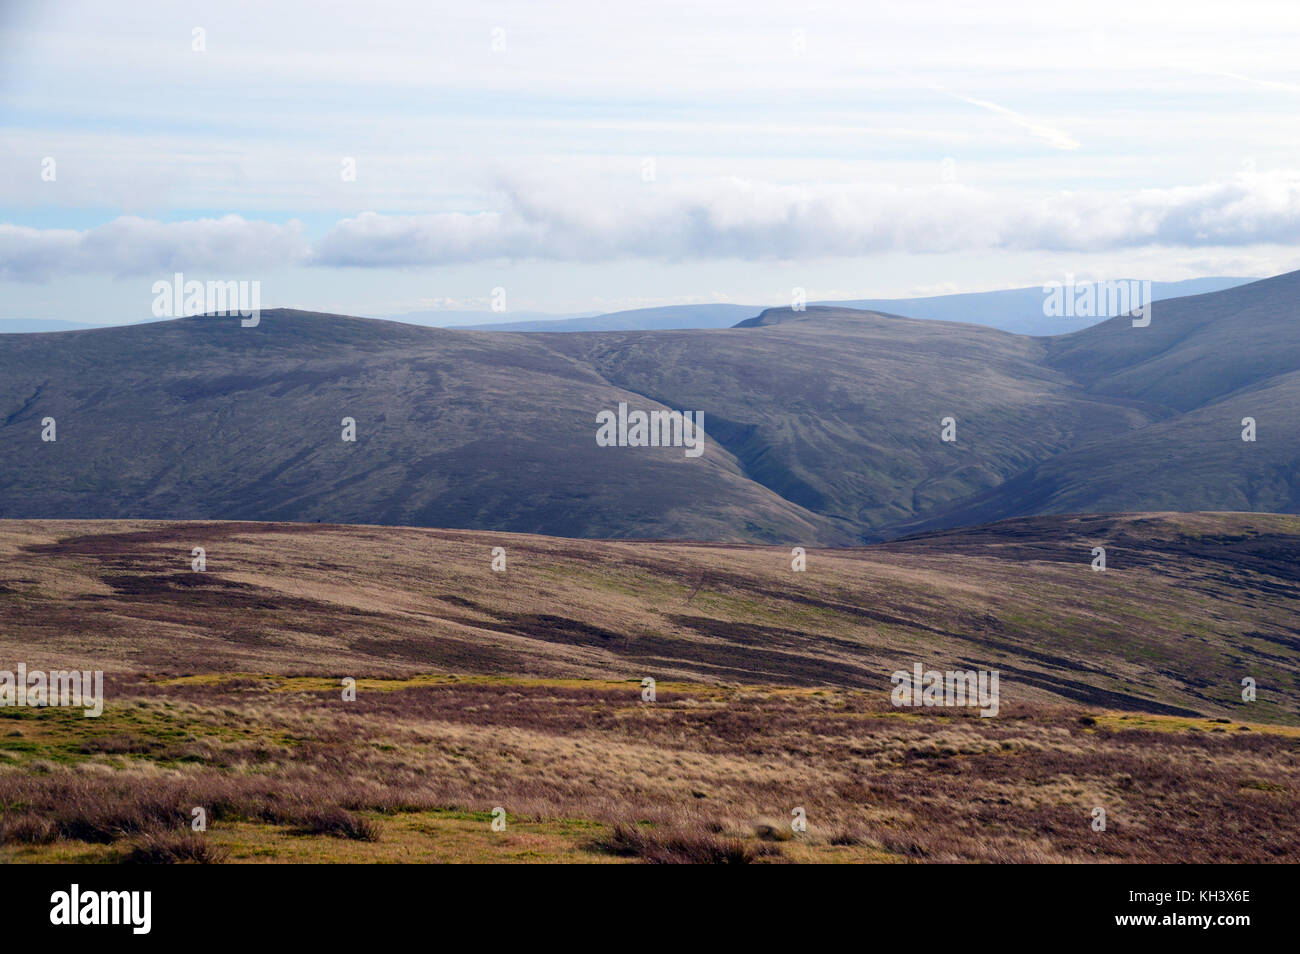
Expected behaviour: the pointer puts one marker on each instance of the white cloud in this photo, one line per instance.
(568, 220)
(135, 246)
(743, 219)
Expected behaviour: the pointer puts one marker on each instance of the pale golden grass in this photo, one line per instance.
(569, 759)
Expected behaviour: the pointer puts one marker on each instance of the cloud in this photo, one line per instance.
(447, 238)
(575, 220)
(135, 246)
(744, 219)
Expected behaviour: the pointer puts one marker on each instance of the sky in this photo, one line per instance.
(388, 157)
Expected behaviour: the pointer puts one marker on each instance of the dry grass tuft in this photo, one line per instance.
(676, 847)
(174, 847)
(337, 823)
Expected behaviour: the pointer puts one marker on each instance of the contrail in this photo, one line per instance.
(1056, 138)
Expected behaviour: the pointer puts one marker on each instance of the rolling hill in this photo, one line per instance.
(1187, 606)
(824, 426)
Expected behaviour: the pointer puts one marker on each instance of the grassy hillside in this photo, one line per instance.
(1188, 606)
(522, 691)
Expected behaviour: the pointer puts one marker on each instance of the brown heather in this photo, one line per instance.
(474, 691)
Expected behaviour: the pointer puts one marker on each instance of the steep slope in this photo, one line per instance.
(1195, 350)
(1197, 459)
(840, 411)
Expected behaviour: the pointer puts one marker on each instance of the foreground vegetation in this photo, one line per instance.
(585, 770)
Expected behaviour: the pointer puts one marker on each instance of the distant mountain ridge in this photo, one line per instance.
(11, 326)
(1020, 310)
(823, 426)
(1017, 309)
(665, 318)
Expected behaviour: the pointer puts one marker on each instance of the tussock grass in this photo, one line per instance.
(678, 847)
(337, 823)
(174, 847)
(587, 771)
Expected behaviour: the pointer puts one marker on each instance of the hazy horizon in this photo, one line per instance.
(414, 157)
